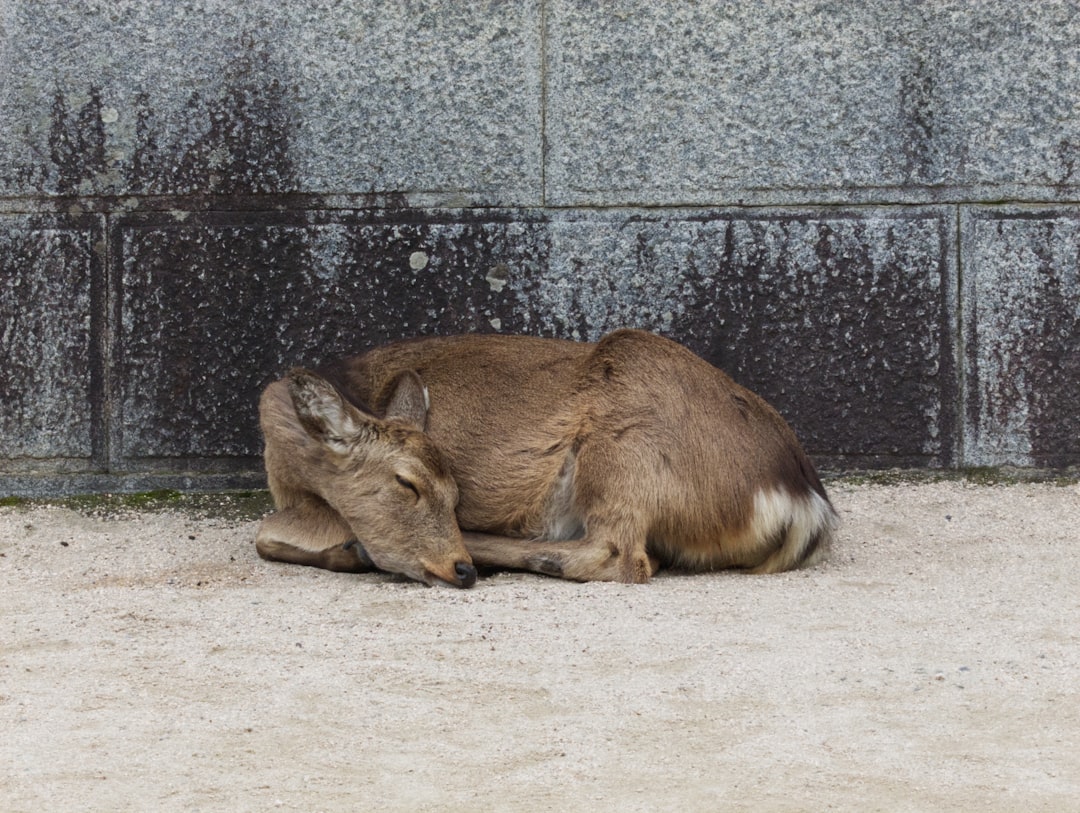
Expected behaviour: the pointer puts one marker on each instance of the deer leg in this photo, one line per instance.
(311, 533)
(603, 556)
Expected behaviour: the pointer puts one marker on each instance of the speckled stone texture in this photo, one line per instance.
(841, 321)
(436, 101)
(1022, 334)
(51, 277)
(811, 102)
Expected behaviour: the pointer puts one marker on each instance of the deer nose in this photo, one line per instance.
(466, 574)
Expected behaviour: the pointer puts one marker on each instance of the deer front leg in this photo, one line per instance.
(595, 557)
(311, 533)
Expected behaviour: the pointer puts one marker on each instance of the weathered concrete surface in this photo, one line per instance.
(829, 316)
(1022, 333)
(637, 102)
(437, 101)
(210, 192)
(660, 103)
(51, 276)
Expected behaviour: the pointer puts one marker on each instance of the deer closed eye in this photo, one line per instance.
(409, 484)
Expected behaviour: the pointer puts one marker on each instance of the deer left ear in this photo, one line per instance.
(326, 415)
(408, 400)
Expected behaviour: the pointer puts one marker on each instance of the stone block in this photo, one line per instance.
(425, 102)
(1021, 312)
(51, 283)
(842, 320)
(214, 307)
(794, 103)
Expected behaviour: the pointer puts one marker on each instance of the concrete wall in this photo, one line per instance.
(868, 212)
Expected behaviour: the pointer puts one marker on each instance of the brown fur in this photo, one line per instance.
(586, 461)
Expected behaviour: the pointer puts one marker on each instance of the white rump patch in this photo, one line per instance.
(798, 520)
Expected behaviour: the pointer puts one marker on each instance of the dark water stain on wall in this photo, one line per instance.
(218, 305)
(77, 142)
(51, 382)
(846, 335)
(231, 137)
(1022, 314)
(919, 117)
(236, 142)
(841, 320)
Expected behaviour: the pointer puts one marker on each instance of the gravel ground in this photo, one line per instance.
(150, 661)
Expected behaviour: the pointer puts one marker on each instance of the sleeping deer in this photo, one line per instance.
(586, 461)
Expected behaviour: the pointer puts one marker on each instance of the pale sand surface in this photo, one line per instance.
(150, 661)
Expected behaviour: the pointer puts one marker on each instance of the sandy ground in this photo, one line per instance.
(150, 661)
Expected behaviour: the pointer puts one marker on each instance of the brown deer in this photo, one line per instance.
(587, 461)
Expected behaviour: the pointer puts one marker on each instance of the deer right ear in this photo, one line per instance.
(408, 400)
(324, 412)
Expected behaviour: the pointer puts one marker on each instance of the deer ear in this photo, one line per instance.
(324, 413)
(408, 400)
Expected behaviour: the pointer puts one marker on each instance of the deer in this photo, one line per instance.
(607, 460)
